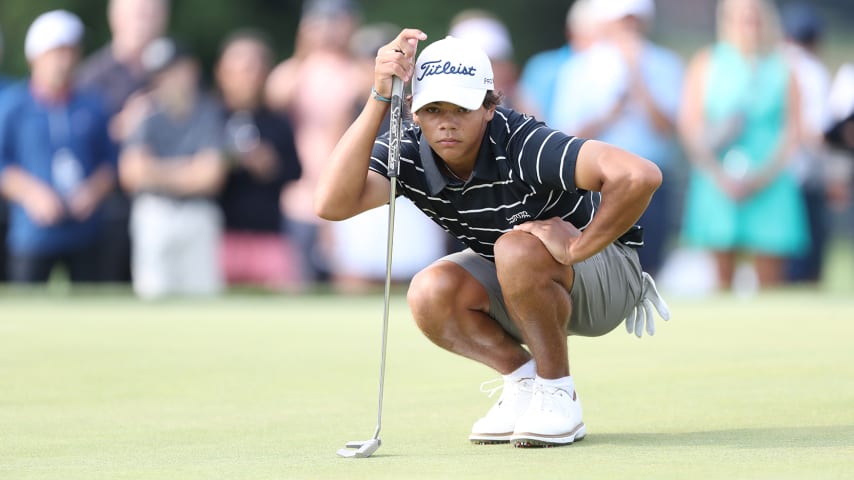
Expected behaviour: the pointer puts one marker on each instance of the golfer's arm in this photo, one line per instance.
(627, 183)
(347, 187)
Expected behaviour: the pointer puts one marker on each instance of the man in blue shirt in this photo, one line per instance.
(56, 158)
(548, 220)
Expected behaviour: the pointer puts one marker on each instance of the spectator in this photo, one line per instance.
(839, 135)
(174, 166)
(739, 123)
(309, 87)
(538, 81)
(841, 132)
(56, 158)
(641, 105)
(116, 71)
(804, 31)
(263, 160)
(489, 33)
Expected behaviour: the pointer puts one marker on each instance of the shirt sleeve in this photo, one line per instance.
(379, 155)
(541, 155)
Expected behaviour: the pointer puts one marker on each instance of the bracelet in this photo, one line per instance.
(379, 97)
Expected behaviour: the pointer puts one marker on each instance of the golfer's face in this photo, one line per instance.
(454, 133)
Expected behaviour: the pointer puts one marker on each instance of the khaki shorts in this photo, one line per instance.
(606, 287)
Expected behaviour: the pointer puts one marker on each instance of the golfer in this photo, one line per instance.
(548, 220)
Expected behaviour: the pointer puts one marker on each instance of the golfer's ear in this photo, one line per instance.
(490, 112)
(415, 119)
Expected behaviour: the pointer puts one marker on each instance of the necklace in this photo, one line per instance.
(451, 172)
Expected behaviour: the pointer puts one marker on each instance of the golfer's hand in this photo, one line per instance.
(641, 316)
(396, 58)
(556, 234)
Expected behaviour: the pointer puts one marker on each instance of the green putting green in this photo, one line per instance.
(269, 387)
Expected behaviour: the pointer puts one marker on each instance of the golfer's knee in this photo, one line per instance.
(431, 297)
(520, 252)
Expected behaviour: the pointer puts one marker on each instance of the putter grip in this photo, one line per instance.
(395, 127)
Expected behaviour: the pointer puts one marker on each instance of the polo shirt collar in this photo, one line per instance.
(435, 180)
(484, 166)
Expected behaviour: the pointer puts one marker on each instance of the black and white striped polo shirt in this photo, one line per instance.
(524, 171)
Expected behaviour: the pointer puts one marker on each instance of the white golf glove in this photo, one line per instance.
(641, 315)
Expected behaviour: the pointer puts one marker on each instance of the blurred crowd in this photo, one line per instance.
(125, 166)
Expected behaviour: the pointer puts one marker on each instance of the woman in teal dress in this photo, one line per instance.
(738, 126)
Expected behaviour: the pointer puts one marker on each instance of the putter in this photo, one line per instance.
(366, 448)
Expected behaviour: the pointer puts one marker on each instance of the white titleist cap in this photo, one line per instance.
(454, 71)
(54, 29)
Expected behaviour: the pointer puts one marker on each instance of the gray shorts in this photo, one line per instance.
(606, 287)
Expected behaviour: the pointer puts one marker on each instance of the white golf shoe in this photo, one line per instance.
(499, 423)
(553, 418)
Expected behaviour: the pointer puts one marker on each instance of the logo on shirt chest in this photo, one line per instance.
(515, 218)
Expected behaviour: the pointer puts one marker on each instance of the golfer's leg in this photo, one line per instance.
(451, 307)
(536, 291)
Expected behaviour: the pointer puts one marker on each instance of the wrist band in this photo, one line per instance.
(379, 97)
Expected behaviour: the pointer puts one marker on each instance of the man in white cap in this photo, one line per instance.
(56, 159)
(548, 220)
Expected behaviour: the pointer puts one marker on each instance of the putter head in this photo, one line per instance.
(360, 449)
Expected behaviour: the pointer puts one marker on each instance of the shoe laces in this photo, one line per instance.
(490, 387)
(549, 398)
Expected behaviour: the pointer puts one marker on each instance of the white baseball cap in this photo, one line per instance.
(54, 29)
(607, 10)
(454, 71)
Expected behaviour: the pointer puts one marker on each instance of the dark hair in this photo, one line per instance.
(492, 99)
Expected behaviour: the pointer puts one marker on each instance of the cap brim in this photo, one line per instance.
(468, 98)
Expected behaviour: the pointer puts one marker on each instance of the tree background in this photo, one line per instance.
(535, 25)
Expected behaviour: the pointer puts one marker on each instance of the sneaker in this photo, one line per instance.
(552, 419)
(500, 422)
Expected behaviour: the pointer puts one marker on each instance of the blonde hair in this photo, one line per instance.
(771, 32)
